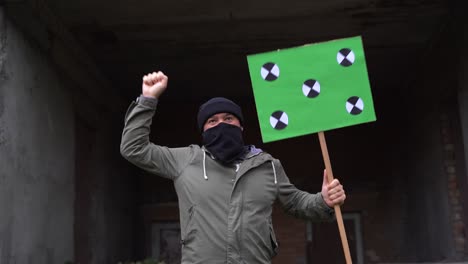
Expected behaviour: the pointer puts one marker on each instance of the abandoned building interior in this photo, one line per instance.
(70, 69)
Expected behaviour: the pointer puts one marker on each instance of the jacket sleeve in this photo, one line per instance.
(299, 203)
(136, 147)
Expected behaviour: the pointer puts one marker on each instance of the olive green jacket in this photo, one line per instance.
(225, 212)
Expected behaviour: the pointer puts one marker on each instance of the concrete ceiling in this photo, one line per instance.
(202, 45)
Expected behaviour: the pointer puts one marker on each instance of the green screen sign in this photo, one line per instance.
(312, 88)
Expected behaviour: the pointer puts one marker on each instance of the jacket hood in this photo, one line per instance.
(251, 150)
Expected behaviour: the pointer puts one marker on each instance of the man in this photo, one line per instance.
(225, 189)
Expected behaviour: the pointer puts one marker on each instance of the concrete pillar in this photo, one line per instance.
(36, 155)
(460, 28)
(459, 25)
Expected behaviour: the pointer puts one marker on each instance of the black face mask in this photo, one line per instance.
(225, 142)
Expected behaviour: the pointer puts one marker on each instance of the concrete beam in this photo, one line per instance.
(87, 82)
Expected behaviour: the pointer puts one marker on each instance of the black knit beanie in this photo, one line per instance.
(217, 105)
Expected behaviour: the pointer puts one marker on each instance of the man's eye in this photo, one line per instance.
(211, 121)
(229, 118)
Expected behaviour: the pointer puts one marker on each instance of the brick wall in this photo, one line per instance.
(455, 200)
(291, 235)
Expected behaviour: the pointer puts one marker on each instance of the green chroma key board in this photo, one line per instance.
(311, 88)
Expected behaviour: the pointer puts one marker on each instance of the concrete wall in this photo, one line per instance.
(105, 209)
(66, 194)
(36, 155)
(459, 24)
(434, 203)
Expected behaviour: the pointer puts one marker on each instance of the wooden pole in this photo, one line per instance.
(339, 217)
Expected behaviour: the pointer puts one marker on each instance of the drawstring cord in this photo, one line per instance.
(274, 171)
(204, 166)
